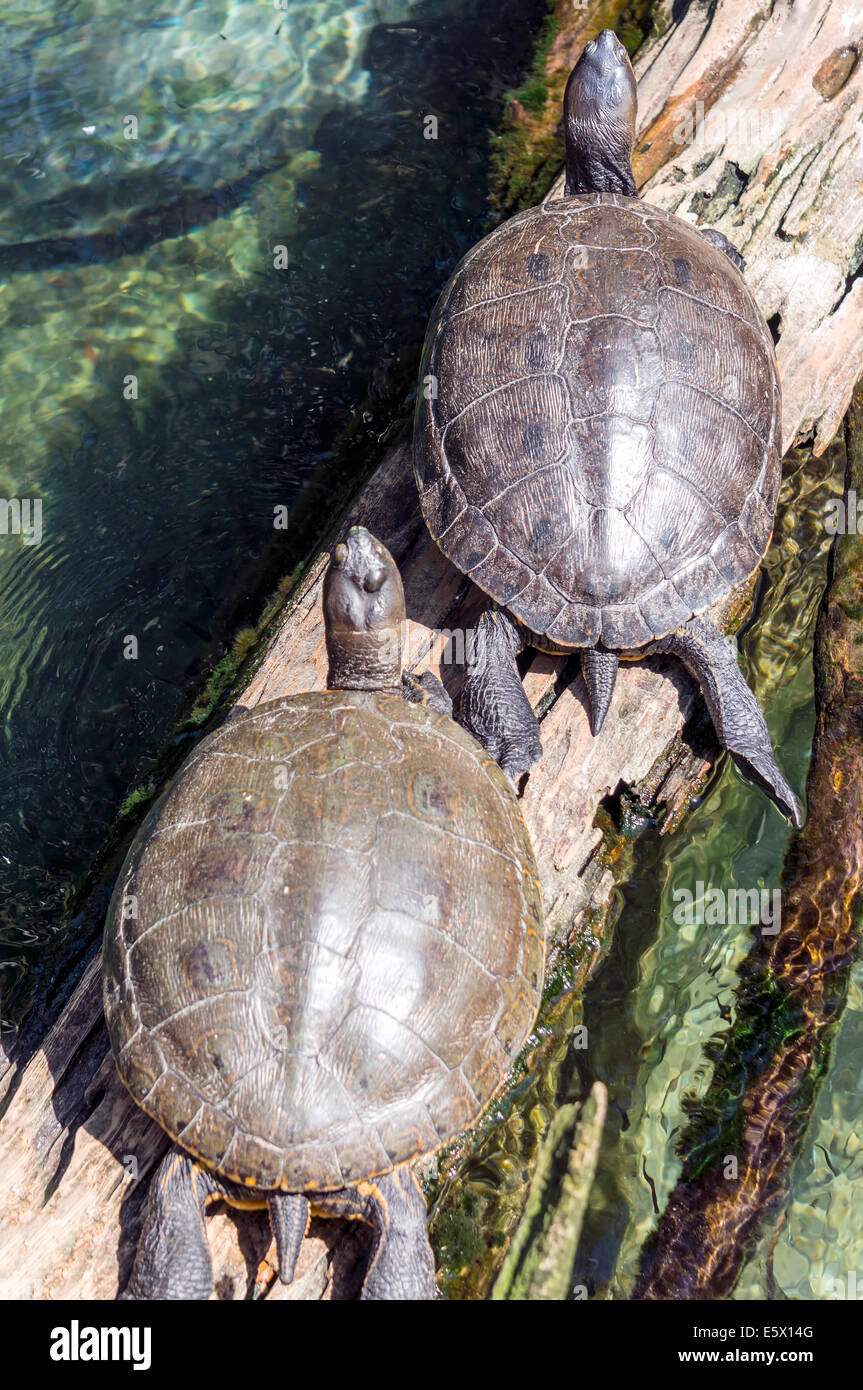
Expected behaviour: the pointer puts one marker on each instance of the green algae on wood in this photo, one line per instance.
(540, 1259)
(744, 1134)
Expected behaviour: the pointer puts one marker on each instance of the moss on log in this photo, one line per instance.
(539, 1262)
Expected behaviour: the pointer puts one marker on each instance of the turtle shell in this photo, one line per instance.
(598, 424)
(326, 947)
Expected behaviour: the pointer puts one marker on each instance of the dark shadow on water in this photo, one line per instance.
(166, 523)
(161, 516)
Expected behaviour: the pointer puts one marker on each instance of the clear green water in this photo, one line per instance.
(258, 128)
(667, 988)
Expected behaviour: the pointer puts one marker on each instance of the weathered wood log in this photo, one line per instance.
(744, 1134)
(75, 1152)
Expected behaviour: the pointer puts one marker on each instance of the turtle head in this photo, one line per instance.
(364, 613)
(599, 108)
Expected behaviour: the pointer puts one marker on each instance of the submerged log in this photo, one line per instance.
(743, 1136)
(75, 1152)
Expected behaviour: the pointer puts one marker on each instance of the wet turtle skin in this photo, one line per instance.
(327, 947)
(600, 451)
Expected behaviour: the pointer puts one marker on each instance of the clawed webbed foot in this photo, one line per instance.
(516, 756)
(494, 707)
(736, 714)
(760, 768)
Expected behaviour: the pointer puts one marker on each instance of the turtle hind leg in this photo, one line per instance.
(494, 707)
(289, 1219)
(173, 1259)
(599, 668)
(402, 1265)
(735, 712)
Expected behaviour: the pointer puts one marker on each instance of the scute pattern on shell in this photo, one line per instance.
(336, 948)
(602, 453)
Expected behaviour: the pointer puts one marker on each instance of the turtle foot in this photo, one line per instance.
(172, 1261)
(761, 769)
(427, 690)
(736, 714)
(719, 239)
(494, 707)
(516, 756)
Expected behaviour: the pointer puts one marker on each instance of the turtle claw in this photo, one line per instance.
(427, 690)
(494, 707)
(515, 757)
(736, 714)
(763, 772)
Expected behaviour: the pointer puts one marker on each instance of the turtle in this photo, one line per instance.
(597, 439)
(323, 954)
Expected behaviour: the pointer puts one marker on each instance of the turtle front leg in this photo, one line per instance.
(735, 712)
(721, 240)
(173, 1257)
(494, 707)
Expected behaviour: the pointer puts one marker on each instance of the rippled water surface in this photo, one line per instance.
(164, 386)
(668, 988)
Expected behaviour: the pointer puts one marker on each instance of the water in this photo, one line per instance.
(670, 987)
(154, 259)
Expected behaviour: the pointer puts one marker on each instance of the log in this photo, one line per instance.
(539, 1262)
(75, 1152)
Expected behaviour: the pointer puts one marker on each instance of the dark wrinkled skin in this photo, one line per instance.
(599, 111)
(365, 608)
